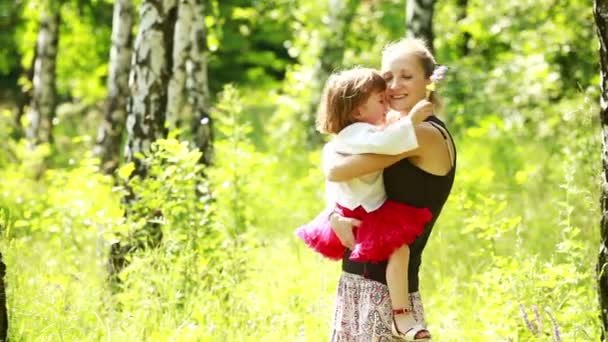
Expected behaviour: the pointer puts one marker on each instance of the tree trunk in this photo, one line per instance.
(419, 20)
(109, 136)
(464, 47)
(42, 107)
(26, 96)
(341, 14)
(3, 311)
(188, 90)
(152, 62)
(176, 101)
(600, 11)
(148, 81)
(198, 85)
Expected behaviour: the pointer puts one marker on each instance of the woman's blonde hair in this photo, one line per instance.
(419, 48)
(343, 93)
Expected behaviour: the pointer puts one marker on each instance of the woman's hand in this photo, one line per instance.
(343, 227)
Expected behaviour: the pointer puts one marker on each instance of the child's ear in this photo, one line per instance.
(356, 114)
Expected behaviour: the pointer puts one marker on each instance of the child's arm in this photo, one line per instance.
(395, 138)
(343, 168)
(359, 138)
(358, 165)
(421, 111)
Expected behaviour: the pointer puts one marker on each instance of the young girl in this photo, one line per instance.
(353, 108)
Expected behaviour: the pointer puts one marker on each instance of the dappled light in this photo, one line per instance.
(155, 163)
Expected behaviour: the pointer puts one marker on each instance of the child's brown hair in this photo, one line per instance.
(343, 93)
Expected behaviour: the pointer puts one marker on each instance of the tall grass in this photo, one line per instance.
(511, 259)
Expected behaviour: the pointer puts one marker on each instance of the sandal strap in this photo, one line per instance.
(411, 333)
(401, 311)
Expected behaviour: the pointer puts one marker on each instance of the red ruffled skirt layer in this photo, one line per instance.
(381, 232)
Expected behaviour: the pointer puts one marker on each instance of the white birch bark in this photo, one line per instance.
(419, 20)
(600, 11)
(198, 85)
(340, 16)
(182, 45)
(188, 89)
(42, 107)
(149, 78)
(110, 132)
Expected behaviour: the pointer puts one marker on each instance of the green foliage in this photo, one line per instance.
(81, 61)
(248, 182)
(236, 162)
(511, 258)
(519, 65)
(246, 38)
(520, 226)
(195, 267)
(9, 21)
(53, 245)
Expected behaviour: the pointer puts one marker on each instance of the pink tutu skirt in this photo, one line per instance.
(381, 232)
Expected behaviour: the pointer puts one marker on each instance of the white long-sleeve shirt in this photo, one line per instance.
(358, 138)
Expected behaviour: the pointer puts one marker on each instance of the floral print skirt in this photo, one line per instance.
(363, 311)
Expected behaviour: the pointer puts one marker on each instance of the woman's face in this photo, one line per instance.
(406, 82)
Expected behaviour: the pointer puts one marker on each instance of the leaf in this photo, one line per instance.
(126, 170)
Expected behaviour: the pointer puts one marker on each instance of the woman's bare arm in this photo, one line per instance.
(348, 167)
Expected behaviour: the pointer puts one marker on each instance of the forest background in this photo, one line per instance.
(206, 250)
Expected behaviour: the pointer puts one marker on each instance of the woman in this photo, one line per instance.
(421, 178)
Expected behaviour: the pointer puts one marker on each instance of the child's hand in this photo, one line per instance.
(392, 117)
(422, 110)
(343, 228)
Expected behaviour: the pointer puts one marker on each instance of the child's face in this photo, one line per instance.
(373, 111)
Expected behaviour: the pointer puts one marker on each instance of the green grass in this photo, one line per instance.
(519, 232)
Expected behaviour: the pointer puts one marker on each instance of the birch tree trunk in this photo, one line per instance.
(149, 77)
(25, 98)
(198, 85)
(148, 81)
(419, 20)
(188, 90)
(464, 48)
(600, 10)
(109, 136)
(340, 16)
(3, 311)
(176, 101)
(42, 107)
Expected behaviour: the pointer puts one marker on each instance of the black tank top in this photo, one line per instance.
(406, 183)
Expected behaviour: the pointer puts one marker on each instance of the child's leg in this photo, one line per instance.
(397, 282)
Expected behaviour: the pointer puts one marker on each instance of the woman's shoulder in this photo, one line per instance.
(436, 142)
(432, 139)
(429, 132)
